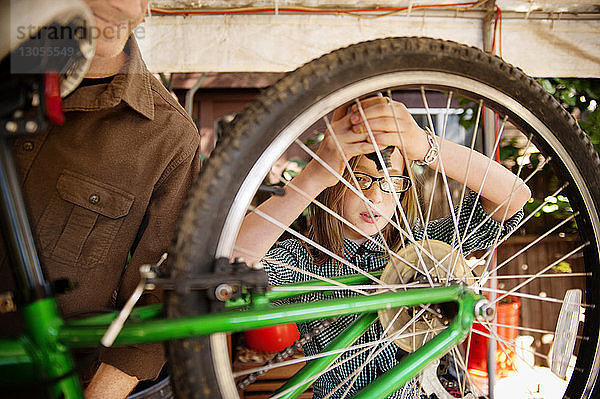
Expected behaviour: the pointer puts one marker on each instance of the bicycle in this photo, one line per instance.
(208, 296)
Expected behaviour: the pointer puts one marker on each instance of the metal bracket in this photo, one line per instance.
(24, 114)
(223, 284)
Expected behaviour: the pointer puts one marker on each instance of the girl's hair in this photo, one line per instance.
(326, 230)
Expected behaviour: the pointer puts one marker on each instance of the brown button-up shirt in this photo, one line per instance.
(110, 181)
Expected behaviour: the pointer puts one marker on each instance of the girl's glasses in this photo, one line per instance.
(400, 183)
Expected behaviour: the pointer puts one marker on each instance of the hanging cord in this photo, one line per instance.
(497, 32)
(353, 12)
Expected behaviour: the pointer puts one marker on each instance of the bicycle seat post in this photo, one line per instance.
(26, 267)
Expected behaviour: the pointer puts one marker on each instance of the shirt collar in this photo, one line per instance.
(351, 248)
(131, 85)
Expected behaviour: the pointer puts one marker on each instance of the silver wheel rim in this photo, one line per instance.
(313, 113)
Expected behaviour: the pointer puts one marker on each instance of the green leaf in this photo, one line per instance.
(563, 267)
(535, 159)
(509, 149)
(547, 85)
(568, 98)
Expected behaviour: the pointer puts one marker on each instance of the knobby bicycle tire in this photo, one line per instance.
(218, 200)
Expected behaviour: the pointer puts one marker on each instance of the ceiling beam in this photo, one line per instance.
(279, 43)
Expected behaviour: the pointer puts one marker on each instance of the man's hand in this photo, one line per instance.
(110, 382)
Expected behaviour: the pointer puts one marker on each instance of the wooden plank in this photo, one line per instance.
(535, 313)
(270, 381)
(281, 43)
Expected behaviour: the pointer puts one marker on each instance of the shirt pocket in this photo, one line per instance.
(81, 221)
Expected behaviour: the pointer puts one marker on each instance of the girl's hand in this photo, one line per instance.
(354, 139)
(386, 123)
(352, 143)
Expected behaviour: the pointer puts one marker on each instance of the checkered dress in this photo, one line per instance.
(368, 256)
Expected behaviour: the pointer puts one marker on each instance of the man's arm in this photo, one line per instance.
(143, 362)
(110, 382)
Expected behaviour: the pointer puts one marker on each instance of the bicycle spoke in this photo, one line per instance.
(313, 378)
(532, 213)
(488, 217)
(389, 181)
(303, 359)
(469, 161)
(512, 191)
(550, 266)
(391, 253)
(453, 352)
(340, 362)
(507, 200)
(484, 277)
(407, 165)
(507, 343)
(481, 224)
(383, 166)
(518, 276)
(460, 362)
(489, 251)
(351, 188)
(456, 236)
(445, 178)
(434, 183)
(504, 347)
(355, 181)
(487, 170)
(467, 376)
(531, 296)
(361, 196)
(510, 344)
(353, 227)
(379, 288)
(529, 329)
(440, 163)
(411, 322)
(313, 243)
(310, 274)
(367, 203)
(367, 361)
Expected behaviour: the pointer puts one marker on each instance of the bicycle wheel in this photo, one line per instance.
(447, 86)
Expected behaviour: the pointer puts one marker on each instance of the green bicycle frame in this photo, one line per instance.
(42, 355)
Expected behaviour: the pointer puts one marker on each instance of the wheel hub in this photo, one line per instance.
(445, 266)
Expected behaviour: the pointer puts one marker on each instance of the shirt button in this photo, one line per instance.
(94, 199)
(28, 146)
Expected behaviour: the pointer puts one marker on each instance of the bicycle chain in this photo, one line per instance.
(287, 352)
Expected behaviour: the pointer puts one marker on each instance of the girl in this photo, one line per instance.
(360, 239)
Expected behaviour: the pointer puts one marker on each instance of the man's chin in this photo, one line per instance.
(109, 49)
